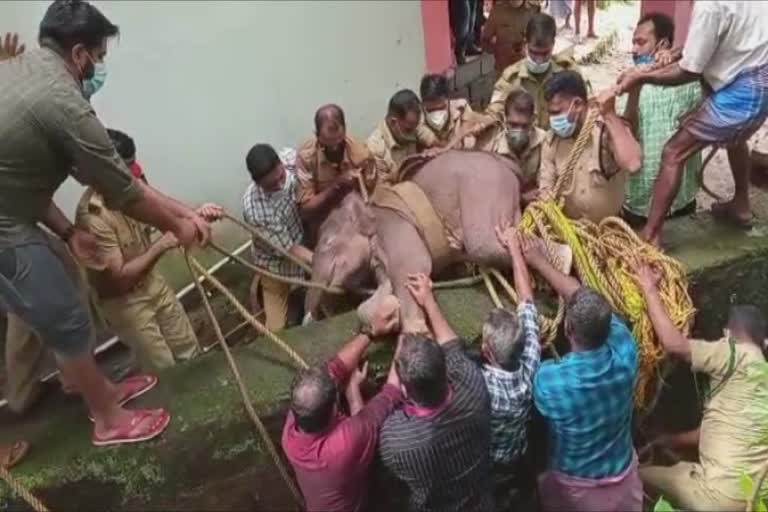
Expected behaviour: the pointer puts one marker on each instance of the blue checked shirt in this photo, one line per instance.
(511, 393)
(277, 217)
(587, 401)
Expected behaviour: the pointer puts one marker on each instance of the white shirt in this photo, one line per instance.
(725, 38)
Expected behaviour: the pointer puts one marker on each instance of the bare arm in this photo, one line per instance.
(669, 75)
(510, 239)
(632, 110)
(56, 221)
(671, 338)
(351, 353)
(420, 286)
(625, 149)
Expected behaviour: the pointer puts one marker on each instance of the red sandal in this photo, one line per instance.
(145, 424)
(133, 387)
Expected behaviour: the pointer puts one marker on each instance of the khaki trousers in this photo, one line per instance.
(153, 323)
(274, 298)
(683, 485)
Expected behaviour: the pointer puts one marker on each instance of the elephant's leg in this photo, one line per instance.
(479, 219)
(406, 254)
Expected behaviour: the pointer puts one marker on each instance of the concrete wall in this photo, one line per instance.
(198, 82)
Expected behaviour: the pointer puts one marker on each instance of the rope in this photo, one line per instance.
(756, 489)
(238, 378)
(604, 255)
(247, 315)
(279, 250)
(22, 491)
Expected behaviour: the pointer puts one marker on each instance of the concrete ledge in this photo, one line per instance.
(209, 437)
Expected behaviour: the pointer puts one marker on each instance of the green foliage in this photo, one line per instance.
(663, 506)
(747, 487)
(605, 4)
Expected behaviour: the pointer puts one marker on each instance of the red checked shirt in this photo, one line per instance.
(332, 466)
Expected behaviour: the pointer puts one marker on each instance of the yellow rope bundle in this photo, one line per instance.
(604, 256)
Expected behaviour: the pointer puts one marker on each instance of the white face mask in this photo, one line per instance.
(437, 118)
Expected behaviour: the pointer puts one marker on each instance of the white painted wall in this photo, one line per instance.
(197, 83)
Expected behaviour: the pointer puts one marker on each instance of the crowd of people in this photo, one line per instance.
(451, 427)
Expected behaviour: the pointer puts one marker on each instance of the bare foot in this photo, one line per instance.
(591, 35)
(12, 453)
(738, 215)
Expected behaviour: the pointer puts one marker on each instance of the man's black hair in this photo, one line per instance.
(663, 25)
(541, 29)
(261, 160)
(313, 395)
(588, 315)
(749, 320)
(67, 23)
(433, 87)
(566, 82)
(125, 146)
(521, 102)
(329, 113)
(422, 369)
(402, 102)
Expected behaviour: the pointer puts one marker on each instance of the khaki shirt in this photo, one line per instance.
(459, 113)
(495, 141)
(732, 436)
(389, 154)
(316, 172)
(116, 232)
(518, 76)
(49, 131)
(506, 28)
(597, 188)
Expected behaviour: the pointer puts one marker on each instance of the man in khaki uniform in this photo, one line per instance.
(531, 74)
(596, 190)
(135, 300)
(519, 138)
(328, 168)
(504, 31)
(398, 136)
(731, 438)
(443, 117)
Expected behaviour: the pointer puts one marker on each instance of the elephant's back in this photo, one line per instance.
(480, 175)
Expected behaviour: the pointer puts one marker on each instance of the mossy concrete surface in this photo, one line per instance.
(209, 438)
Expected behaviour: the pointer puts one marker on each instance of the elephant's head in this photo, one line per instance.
(343, 253)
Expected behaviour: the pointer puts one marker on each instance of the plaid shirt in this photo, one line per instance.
(277, 216)
(659, 111)
(586, 398)
(511, 393)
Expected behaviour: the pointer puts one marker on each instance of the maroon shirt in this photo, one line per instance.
(332, 466)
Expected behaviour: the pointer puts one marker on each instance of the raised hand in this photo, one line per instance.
(420, 287)
(9, 46)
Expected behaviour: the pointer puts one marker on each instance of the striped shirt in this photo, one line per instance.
(444, 457)
(511, 392)
(277, 217)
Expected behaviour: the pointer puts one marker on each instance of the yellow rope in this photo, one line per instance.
(604, 256)
(262, 430)
(22, 491)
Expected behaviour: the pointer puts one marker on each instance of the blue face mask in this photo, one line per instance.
(642, 59)
(561, 125)
(92, 85)
(537, 68)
